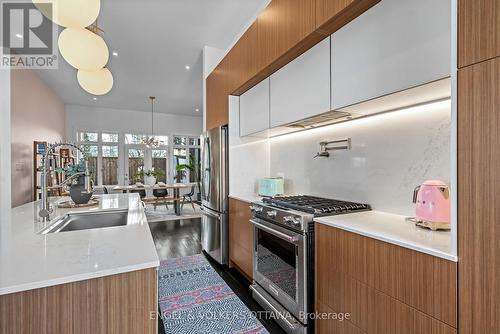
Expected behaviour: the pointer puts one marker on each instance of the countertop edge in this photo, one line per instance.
(246, 198)
(78, 277)
(381, 237)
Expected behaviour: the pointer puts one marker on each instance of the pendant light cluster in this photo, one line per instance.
(79, 43)
(151, 142)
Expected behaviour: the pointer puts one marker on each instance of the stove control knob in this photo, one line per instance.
(290, 220)
(272, 213)
(254, 208)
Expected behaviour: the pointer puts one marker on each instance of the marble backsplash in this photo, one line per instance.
(391, 154)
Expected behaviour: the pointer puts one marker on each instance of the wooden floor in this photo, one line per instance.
(176, 238)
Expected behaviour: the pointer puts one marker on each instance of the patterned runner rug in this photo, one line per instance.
(195, 299)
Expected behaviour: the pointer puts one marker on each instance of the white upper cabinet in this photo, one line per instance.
(254, 109)
(393, 46)
(301, 89)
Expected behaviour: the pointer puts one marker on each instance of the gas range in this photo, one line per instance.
(296, 212)
(283, 256)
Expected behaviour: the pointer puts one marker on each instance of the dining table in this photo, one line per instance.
(176, 187)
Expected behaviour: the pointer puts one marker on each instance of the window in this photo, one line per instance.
(195, 155)
(180, 140)
(135, 165)
(101, 151)
(91, 153)
(88, 137)
(160, 164)
(134, 139)
(109, 165)
(110, 138)
(186, 151)
(194, 141)
(119, 158)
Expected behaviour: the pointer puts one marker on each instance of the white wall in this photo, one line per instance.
(391, 154)
(39, 117)
(128, 121)
(5, 195)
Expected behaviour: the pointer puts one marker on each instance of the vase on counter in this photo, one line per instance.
(77, 192)
(150, 180)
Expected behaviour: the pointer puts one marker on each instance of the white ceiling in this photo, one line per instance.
(155, 40)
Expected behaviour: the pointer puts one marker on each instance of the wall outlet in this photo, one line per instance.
(20, 166)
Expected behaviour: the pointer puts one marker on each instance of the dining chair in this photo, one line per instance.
(141, 192)
(189, 195)
(160, 194)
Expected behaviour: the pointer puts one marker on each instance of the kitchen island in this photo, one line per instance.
(86, 278)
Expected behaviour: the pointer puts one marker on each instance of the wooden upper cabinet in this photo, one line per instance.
(282, 25)
(332, 15)
(326, 9)
(218, 85)
(396, 45)
(211, 96)
(254, 109)
(243, 62)
(301, 88)
(478, 31)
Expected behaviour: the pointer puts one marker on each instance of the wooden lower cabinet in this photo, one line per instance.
(123, 303)
(383, 287)
(240, 237)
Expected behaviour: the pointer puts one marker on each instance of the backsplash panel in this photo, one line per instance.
(391, 154)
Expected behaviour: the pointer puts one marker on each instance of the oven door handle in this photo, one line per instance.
(294, 239)
(274, 309)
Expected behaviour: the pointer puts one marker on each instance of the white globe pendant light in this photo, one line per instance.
(70, 13)
(95, 82)
(83, 49)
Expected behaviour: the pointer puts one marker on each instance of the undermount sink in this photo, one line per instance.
(88, 220)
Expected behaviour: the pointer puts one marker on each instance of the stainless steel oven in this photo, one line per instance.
(283, 266)
(283, 255)
(279, 264)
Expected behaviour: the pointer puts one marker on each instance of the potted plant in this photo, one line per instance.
(75, 179)
(150, 176)
(181, 170)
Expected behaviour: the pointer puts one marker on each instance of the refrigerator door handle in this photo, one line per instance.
(208, 213)
(205, 189)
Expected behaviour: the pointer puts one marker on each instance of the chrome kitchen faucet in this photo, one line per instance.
(45, 209)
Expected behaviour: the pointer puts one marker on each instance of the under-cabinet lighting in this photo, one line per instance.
(405, 111)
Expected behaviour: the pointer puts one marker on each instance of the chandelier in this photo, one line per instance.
(151, 142)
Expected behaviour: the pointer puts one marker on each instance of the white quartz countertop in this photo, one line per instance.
(29, 260)
(394, 229)
(249, 198)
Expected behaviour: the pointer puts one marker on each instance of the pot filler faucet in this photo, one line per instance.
(326, 146)
(45, 209)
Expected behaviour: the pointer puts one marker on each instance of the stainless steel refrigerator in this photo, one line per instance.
(214, 194)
